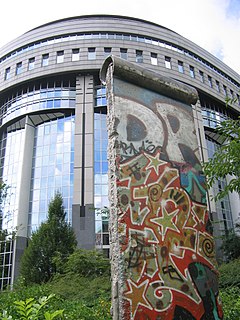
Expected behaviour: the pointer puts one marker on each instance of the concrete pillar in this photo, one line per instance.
(25, 180)
(19, 245)
(161, 244)
(83, 215)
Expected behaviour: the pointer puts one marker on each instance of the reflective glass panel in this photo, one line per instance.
(100, 174)
(11, 160)
(53, 166)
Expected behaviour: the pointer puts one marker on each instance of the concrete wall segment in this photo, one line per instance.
(134, 73)
(157, 273)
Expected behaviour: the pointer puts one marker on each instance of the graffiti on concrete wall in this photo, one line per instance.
(164, 230)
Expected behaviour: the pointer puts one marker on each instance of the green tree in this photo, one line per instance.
(54, 238)
(226, 160)
(231, 244)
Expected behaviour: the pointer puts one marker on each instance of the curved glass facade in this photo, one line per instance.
(52, 168)
(51, 155)
(40, 96)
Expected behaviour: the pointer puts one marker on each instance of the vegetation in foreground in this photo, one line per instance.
(80, 292)
(57, 280)
(75, 284)
(85, 296)
(230, 289)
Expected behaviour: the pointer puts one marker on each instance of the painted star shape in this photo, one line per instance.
(155, 162)
(136, 295)
(166, 221)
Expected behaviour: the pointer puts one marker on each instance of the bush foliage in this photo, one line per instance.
(229, 282)
(96, 263)
(85, 295)
(229, 274)
(81, 297)
(57, 308)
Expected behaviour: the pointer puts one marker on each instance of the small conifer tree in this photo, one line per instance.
(54, 238)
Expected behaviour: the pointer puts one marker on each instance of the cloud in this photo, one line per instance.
(212, 24)
(230, 38)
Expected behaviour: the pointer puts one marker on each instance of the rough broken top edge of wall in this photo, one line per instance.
(133, 73)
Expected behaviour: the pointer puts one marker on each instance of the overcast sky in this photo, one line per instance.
(212, 24)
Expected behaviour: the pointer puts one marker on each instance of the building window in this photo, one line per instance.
(107, 51)
(75, 54)
(139, 56)
(18, 67)
(201, 76)
(168, 63)
(60, 56)
(180, 66)
(7, 73)
(31, 63)
(213, 114)
(218, 86)
(100, 96)
(6, 263)
(232, 94)
(191, 70)
(225, 90)
(123, 53)
(154, 59)
(45, 59)
(91, 53)
(210, 81)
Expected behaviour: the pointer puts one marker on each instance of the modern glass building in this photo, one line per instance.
(53, 117)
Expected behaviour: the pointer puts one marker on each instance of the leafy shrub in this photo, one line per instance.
(78, 310)
(81, 287)
(229, 274)
(82, 298)
(73, 310)
(231, 303)
(229, 282)
(84, 289)
(87, 263)
(30, 309)
(20, 292)
(98, 307)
